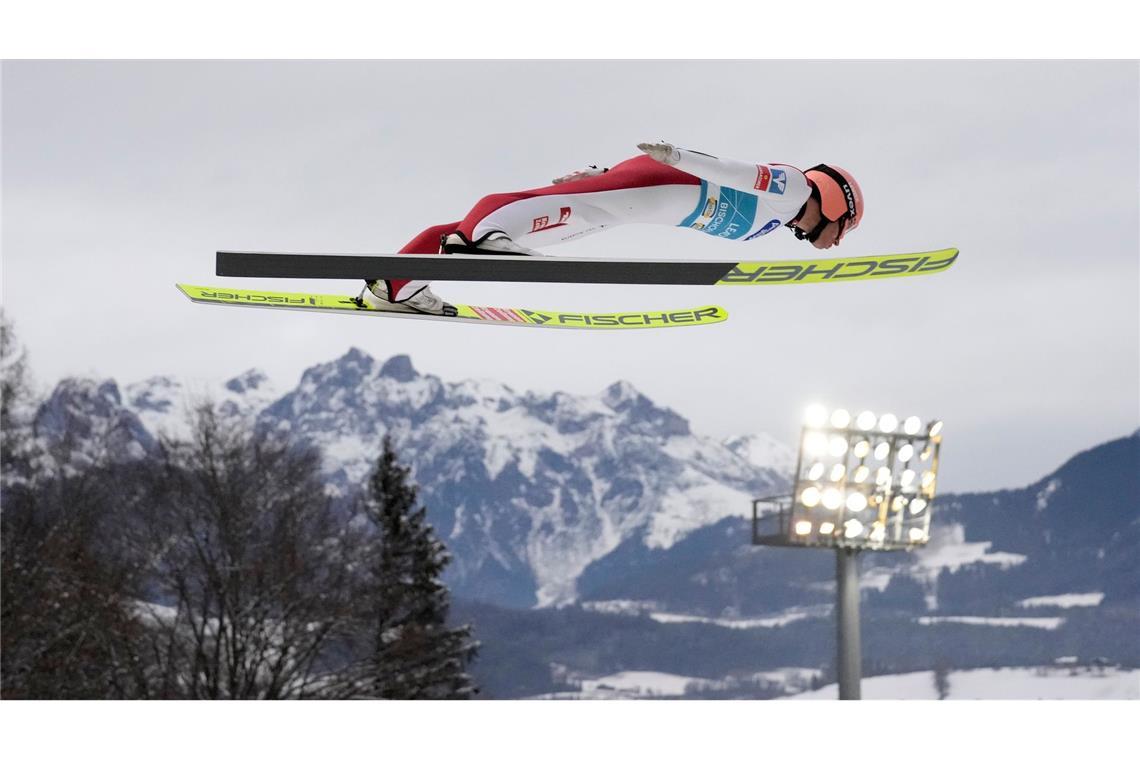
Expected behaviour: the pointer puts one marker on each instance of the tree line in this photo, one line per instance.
(215, 567)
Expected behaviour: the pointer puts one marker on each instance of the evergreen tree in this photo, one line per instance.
(15, 402)
(413, 653)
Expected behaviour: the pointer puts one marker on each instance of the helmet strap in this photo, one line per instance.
(813, 234)
(791, 224)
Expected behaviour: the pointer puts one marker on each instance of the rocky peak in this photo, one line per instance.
(640, 414)
(399, 368)
(352, 369)
(88, 418)
(620, 395)
(250, 380)
(155, 394)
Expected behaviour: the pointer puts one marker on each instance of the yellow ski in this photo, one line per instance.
(478, 315)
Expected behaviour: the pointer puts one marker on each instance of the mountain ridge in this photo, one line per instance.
(527, 488)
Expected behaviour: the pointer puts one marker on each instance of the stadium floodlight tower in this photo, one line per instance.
(862, 483)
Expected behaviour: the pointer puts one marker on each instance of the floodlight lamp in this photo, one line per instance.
(856, 502)
(917, 534)
(898, 503)
(803, 528)
(926, 453)
(816, 471)
(837, 446)
(888, 423)
(852, 529)
(883, 476)
(826, 529)
(928, 478)
(815, 416)
(878, 531)
(861, 473)
(840, 418)
(837, 473)
(917, 505)
(935, 429)
(865, 420)
(810, 496)
(815, 444)
(906, 451)
(861, 449)
(882, 450)
(832, 498)
(912, 425)
(907, 478)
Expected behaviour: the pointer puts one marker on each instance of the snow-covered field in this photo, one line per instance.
(771, 621)
(640, 683)
(1046, 623)
(987, 683)
(1065, 601)
(948, 549)
(1003, 683)
(638, 607)
(649, 684)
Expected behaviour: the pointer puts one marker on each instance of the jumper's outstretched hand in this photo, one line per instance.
(589, 171)
(661, 151)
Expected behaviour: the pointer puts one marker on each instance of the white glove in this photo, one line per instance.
(662, 151)
(589, 171)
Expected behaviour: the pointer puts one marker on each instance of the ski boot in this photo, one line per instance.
(493, 243)
(375, 296)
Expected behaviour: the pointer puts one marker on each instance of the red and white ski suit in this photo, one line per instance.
(721, 197)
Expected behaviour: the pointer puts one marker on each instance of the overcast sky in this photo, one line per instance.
(122, 178)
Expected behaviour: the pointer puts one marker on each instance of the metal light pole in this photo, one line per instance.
(861, 484)
(850, 665)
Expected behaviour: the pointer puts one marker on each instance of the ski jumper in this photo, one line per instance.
(721, 197)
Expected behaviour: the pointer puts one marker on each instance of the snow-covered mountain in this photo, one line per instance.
(1062, 547)
(162, 403)
(85, 422)
(527, 489)
(550, 498)
(1017, 578)
(763, 450)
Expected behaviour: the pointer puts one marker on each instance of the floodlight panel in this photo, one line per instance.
(879, 470)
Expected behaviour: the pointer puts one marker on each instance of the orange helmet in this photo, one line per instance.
(840, 198)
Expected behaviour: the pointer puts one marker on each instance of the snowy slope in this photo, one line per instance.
(652, 684)
(763, 450)
(995, 683)
(999, 683)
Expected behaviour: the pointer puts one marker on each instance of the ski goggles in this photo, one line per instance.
(813, 234)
